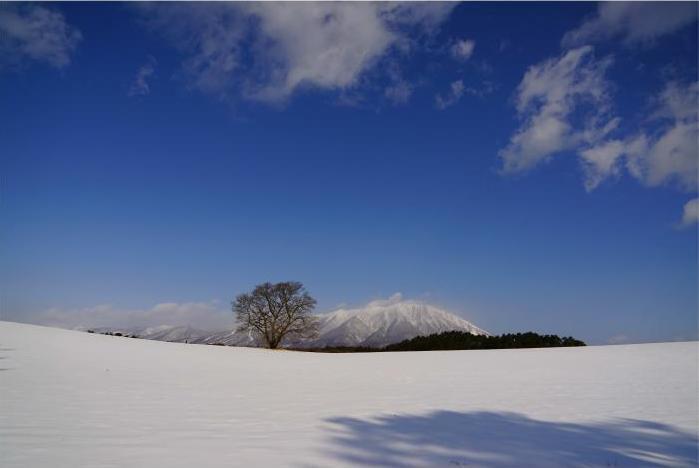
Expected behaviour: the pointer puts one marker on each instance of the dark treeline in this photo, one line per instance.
(115, 334)
(456, 340)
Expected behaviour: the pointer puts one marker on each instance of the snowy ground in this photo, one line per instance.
(71, 399)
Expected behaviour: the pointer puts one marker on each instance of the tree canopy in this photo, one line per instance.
(275, 312)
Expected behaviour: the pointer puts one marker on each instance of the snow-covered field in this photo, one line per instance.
(72, 399)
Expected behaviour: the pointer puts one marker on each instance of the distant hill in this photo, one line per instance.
(376, 325)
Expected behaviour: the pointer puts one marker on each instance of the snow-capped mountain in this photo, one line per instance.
(384, 322)
(378, 324)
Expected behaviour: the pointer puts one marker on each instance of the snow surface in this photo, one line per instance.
(73, 399)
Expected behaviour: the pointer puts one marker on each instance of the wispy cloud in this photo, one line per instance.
(632, 22)
(550, 100)
(463, 49)
(399, 92)
(664, 154)
(36, 33)
(546, 99)
(141, 85)
(268, 51)
(454, 95)
(395, 298)
(553, 94)
(690, 213)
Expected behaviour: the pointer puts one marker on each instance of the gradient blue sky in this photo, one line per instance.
(526, 166)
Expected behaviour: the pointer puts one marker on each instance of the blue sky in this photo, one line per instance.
(526, 166)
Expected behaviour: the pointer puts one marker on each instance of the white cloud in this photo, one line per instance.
(36, 33)
(672, 155)
(203, 315)
(456, 91)
(395, 298)
(632, 22)
(267, 51)
(140, 85)
(564, 104)
(463, 49)
(399, 92)
(690, 214)
(669, 159)
(667, 155)
(546, 99)
(601, 162)
(322, 45)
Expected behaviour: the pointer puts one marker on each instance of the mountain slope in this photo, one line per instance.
(381, 323)
(176, 334)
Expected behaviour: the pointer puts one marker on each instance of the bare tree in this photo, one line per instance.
(277, 311)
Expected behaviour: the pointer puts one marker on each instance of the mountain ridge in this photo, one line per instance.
(378, 324)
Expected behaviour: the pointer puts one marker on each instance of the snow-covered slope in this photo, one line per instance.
(71, 399)
(381, 323)
(378, 324)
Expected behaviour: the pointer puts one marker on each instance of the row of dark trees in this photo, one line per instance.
(453, 340)
(456, 340)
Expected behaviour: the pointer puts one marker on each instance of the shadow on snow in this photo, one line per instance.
(489, 439)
